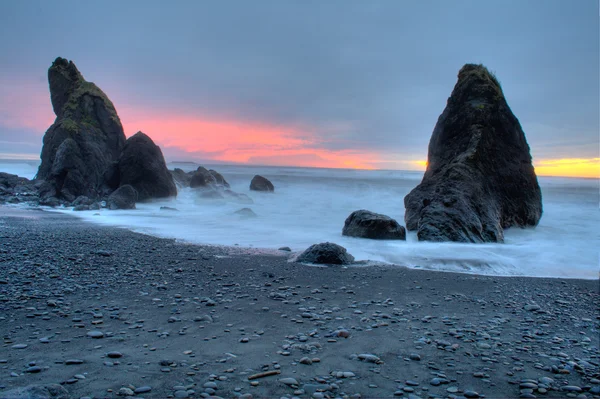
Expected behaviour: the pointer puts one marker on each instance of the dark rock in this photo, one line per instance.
(14, 183)
(81, 207)
(50, 201)
(245, 213)
(143, 166)
(168, 208)
(367, 224)
(287, 249)
(124, 197)
(82, 200)
(202, 178)
(326, 253)
(85, 139)
(219, 179)
(479, 178)
(49, 391)
(260, 183)
(181, 178)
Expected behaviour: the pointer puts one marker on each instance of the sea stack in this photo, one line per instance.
(479, 179)
(84, 141)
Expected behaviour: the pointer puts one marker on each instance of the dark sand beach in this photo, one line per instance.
(106, 312)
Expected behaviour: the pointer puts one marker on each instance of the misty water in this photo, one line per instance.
(310, 205)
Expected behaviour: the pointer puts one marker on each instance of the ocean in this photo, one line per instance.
(310, 206)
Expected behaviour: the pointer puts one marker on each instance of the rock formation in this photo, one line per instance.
(479, 178)
(202, 178)
(143, 166)
(260, 183)
(85, 139)
(124, 197)
(365, 224)
(326, 253)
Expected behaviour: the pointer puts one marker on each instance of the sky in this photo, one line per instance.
(321, 83)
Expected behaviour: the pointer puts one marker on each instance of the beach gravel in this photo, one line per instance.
(157, 318)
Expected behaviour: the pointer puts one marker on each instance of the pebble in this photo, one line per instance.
(69, 362)
(33, 369)
(95, 334)
(19, 346)
(288, 381)
(415, 356)
(471, 394)
(114, 355)
(125, 392)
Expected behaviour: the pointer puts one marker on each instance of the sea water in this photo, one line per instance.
(310, 206)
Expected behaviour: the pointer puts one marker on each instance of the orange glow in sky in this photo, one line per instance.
(242, 142)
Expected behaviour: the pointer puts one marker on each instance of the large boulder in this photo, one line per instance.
(84, 141)
(143, 166)
(124, 197)
(479, 178)
(366, 224)
(260, 183)
(326, 253)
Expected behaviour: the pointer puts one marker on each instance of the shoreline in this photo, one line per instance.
(251, 251)
(187, 319)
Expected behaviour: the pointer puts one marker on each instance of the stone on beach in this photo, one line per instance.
(124, 197)
(326, 253)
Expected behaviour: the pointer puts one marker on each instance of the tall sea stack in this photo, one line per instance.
(85, 140)
(479, 178)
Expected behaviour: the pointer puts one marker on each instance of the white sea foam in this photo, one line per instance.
(310, 206)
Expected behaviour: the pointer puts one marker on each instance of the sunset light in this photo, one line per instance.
(569, 167)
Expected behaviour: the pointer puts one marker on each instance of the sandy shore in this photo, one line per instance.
(106, 312)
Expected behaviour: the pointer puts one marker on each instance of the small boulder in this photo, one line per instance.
(326, 253)
(82, 200)
(124, 197)
(143, 166)
(366, 224)
(260, 183)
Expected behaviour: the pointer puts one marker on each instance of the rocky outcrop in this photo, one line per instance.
(124, 197)
(181, 178)
(260, 183)
(84, 141)
(366, 224)
(202, 178)
(219, 179)
(479, 179)
(15, 189)
(143, 166)
(326, 253)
